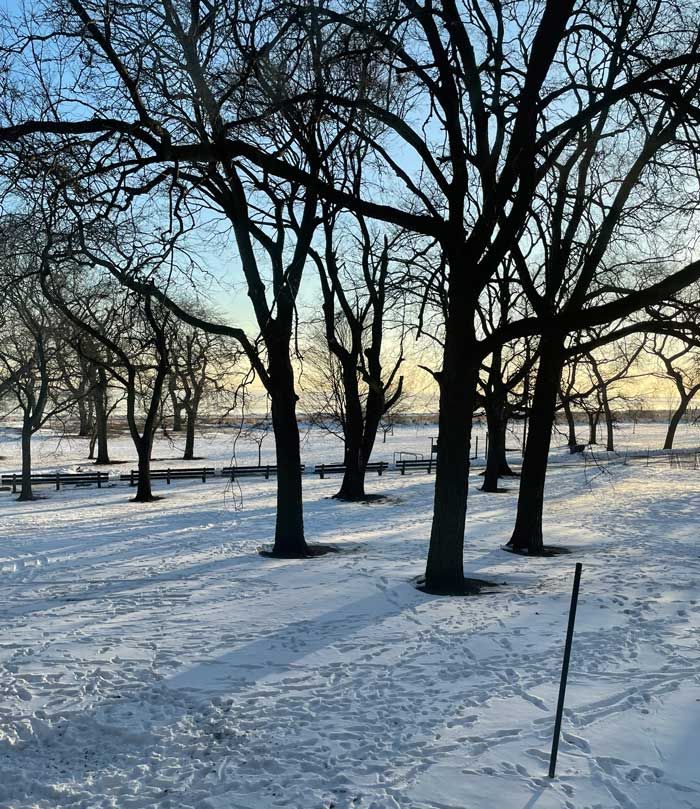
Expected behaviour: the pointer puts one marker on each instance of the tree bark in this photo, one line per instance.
(289, 523)
(607, 412)
(192, 412)
(496, 462)
(374, 410)
(353, 485)
(85, 418)
(593, 428)
(571, 425)
(101, 419)
(177, 412)
(527, 534)
(445, 566)
(674, 421)
(27, 431)
(143, 488)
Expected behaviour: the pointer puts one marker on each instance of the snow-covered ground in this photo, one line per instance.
(150, 658)
(58, 451)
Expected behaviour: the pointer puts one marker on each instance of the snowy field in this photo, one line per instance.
(56, 451)
(150, 658)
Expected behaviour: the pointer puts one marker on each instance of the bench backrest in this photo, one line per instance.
(56, 478)
(187, 473)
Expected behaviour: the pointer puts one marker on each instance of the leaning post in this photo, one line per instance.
(565, 670)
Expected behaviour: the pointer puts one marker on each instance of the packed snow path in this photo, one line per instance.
(150, 658)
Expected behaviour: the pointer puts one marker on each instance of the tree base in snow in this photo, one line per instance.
(497, 490)
(547, 550)
(365, 498)
(152, 499)
(310, 552)
(469, 587)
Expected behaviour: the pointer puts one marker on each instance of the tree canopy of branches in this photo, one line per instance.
(551, 133)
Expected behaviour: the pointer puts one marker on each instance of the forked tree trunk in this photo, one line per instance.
(496, 462)
(374, 410)
(26, 489)
(289, 524)
(445, 566)
(527, 534)
(353, 485)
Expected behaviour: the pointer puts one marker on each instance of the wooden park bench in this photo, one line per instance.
(168, 475)
(416, 465)
(266, 471)
(57, 479)
(323, 469)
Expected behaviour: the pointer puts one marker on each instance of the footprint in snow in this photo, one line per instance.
(577, 741)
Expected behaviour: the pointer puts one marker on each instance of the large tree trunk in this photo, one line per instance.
(674, 422)
(289, 524)
(593, 428)
(192, 411)
(26, 490)
(527, 534)
(85, 418)
(445, 566)
(101, 418)
(496, 462)
(143, 488)
(177, 412)
(353, 485)
(374, 410)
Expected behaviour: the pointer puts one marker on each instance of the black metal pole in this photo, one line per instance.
(565, 671)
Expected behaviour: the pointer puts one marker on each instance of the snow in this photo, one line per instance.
(150, 658)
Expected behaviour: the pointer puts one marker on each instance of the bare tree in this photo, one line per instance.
(362, 379)
(200, 362)
(496, 105)
(32, 375)
(204, 76)
(131, 330)
(680, 361)
(257, 430)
